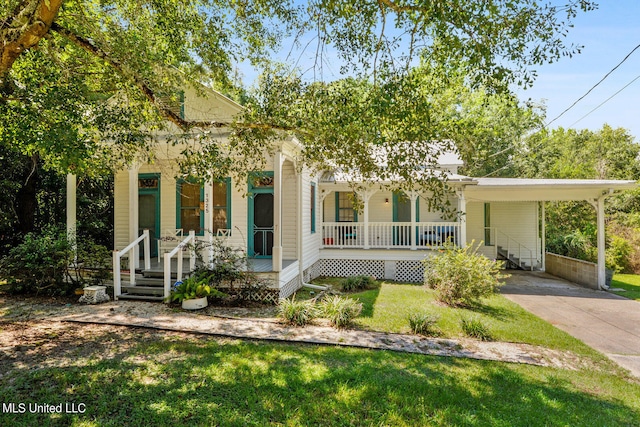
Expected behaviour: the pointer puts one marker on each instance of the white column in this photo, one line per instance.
(299, 228)
(208, 218)
(366, 196)
(544, 237)
(133, 217)
(412, 234)
(71, 214)
(462, 211)
(278, 159)
(601, 244)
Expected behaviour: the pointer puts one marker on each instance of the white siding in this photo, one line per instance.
(518, 220)
(289, 211)
(379, 211)
(311, 242)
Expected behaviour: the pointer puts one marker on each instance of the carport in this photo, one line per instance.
(550, 190)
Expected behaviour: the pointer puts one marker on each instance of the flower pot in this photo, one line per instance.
(195, 304)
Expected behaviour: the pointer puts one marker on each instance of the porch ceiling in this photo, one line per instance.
(520, 189)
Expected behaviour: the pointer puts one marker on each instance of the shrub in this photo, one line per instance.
(340, 310)
(424, 324)
(461, 276)
(618, 255)
(40, 263)
(474, 328)
(297, 313)
(356, 283)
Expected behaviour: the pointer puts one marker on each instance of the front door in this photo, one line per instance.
(149, 210)
(261, 216)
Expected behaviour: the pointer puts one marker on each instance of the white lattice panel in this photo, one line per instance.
(312, 272)
(352, 267)
(290, 287)
(409, 271)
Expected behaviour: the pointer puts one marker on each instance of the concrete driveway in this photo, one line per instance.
(607, 322)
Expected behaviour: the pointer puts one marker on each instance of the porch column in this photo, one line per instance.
(365, 196)
(544, 237)
(208, 219)
(412, 234)
(71, 214)
(133, 216)
(601, 245)
(462, 209)
(276, 260)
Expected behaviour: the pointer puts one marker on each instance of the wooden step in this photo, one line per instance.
(143, 290)
(141, 297)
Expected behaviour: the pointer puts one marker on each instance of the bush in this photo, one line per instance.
(340, 310)
(461, 276)
(618, 255)
(297, 313)
(474, 328)
(357, 283)
(39, 264)
(424, 324)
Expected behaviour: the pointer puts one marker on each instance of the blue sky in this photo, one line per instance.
(608, 35)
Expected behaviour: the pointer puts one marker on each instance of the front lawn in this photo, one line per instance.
(630, 283)
(137, 377)
(387, 307)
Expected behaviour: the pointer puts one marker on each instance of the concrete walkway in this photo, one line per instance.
(604, 321)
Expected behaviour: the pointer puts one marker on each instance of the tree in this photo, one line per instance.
(76, 73)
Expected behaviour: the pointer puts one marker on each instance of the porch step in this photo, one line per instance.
(141, 297)
(143, 290)
(159, 274)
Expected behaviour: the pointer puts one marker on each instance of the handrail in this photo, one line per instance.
(520, 247)
(117, 255)
(167, 262)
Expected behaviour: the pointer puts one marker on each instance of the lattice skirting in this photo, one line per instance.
(290, 287)
(409, 271)
(314, 271)
(352, 267)
(265, 295)
(400, 271)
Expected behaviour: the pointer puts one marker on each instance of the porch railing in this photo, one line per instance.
(179, 251)
(405, 235)
(117, 258)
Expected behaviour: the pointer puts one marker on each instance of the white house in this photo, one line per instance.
(296, 224)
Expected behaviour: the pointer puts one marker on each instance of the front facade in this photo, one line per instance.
(296, 224)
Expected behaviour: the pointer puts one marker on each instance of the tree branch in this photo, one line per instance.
(166, 112)
(31, 21)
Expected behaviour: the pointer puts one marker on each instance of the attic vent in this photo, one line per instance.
(175, 103)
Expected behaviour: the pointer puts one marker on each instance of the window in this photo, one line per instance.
(221, 205)
(313, 207)
(190, 204)
(344, 207)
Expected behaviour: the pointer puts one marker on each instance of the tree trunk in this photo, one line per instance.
(26, 201)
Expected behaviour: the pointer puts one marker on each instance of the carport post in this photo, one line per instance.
(601, 252)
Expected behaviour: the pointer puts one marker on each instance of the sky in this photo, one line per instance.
(608, 35)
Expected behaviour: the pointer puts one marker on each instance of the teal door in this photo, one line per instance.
(261, 216)
(149, 210)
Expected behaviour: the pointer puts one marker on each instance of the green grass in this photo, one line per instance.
(169, 379)
(387, 309)
(630, 283)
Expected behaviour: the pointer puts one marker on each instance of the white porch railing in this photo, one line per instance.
(179, 250)
(404, 235)
(117, 256)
